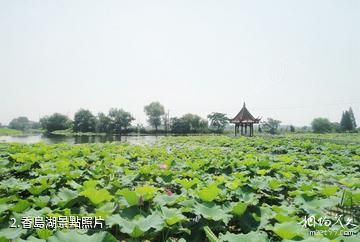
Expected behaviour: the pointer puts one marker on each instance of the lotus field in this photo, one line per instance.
(206, 188)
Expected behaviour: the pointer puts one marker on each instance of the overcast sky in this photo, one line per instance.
(290, 60)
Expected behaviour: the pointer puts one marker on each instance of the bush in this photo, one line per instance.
(321, 125)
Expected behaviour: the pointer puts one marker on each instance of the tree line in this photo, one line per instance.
(347, 123)
(119, 121)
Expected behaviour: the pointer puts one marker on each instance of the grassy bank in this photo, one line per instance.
(7, 131)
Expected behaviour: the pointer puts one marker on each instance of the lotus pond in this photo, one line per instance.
(207, 188)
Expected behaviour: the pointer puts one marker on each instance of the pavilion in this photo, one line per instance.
(244, 119)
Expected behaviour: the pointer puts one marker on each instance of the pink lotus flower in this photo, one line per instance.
(168, 192)
(163, 166)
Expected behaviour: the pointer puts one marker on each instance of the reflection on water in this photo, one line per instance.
(54, 139)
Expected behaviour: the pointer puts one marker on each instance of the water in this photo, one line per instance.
(55, 139)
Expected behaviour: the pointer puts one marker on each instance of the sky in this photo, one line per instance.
(289, 60)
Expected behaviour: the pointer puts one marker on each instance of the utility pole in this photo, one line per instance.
(167, 121)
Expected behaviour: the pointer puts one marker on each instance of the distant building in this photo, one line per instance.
(244, 119)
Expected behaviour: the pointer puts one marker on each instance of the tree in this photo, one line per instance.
(346, 123)
(292, 129)
(179, 126)
(218, 121)
(335, 127)
(35, 125)
(84, 121)
(271, 125)
(54, 122)
(20, 123)
(352, 117)
(188, 123)
(154, 111)
(103, 124)
(120, 119)
(196, 123)
(203, 126)
(321, 125)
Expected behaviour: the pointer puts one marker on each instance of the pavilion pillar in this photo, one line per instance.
(242, 130)
(246, 129)
(235, 129)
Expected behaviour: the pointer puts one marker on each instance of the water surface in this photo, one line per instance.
(55, 139)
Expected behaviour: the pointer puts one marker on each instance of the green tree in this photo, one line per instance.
(189, 123)
(196, 123)
(35, 125)
(218, 121)
(120, 119)
(103, 124)
(179, 126)
(335, 127)
(321, 125)
(84, 121)
(292, 128)
(271, 125)
(55, 122)
(154, 111)
(352, 117)
(346, 123)
(20, 123)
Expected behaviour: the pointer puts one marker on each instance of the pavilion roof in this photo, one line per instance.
(244, 116)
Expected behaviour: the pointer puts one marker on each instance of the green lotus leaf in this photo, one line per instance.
(14, 184)
(37, 189)
(20, 206)
(64, 197)
(11, 233)
(209, 193)
(172, 215)
(239, 208)
(4, 207)
(44, 233)
(329, 191)
(138, 226)
(131, 197)
(105, 210)
(350, 181)
(249, 237)
(90, 184)
(290, 230)
(274, 184)
(164, 199)
(73, 236)
(233, 185)
(41, 201)
(188, 183)
(212, 212)
(97, 196)
(147, 192)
